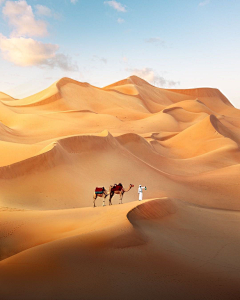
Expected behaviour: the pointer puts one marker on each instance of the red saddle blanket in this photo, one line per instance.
(117, 187)
(99, 190)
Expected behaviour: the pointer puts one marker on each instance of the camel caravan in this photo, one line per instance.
(113, 190)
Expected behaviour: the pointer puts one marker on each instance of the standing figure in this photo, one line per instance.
(140, 191)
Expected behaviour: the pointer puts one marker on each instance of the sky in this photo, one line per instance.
(169, 43)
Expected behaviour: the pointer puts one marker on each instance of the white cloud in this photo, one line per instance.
(155, 41)
(151, 76)
(74, 1)
(120, 21)
(24, 51)
(21, 18)
(204, 3)
(28, 52)
(116, 5)
(1, 1)
(43, 10)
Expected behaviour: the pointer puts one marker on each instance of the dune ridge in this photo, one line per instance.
(154, 209)
(203, 92)
(174, 258)
(62, 227)
(57, 146)
(6, 97)
(30, 223)
(158, 130)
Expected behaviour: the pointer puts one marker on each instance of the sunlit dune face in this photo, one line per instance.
(62, 145)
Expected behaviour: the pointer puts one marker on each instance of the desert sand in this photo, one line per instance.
(181, 242)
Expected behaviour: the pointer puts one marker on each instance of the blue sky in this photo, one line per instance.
(172, 44)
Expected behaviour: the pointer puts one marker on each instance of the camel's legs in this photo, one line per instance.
(110, 198)
(104, 197)
(120, 198)
(94, 199)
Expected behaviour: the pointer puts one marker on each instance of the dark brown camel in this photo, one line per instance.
(120, 190)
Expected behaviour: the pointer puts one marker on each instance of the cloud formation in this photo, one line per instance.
(116, 5)
(74, 1)
(61, 61)
(155, 41)
(151, 76)
(43, 10)
(28, 52)
(21, 49)
(20, 16)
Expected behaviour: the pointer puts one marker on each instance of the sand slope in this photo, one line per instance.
(56, 146)
(158, 248)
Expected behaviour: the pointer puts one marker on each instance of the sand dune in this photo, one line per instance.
(208, 135)
(56, 146)
(160, 247)
(57, 131)
(221, 158)
(5, 97)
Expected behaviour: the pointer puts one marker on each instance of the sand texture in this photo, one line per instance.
(181, 242)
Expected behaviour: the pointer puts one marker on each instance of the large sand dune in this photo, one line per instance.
(58, 145)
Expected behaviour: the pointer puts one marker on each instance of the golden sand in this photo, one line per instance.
(56, 146)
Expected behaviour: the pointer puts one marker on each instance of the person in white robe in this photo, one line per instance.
(140, 191)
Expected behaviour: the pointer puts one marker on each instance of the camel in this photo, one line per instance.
(118, 189)
(101, 192)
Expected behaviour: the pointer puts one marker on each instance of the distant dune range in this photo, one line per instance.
(58, 145)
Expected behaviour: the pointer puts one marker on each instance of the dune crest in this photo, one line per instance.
(6, 97)
(76, 128)
(58, 145)
(155, 209)
(203, 92)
